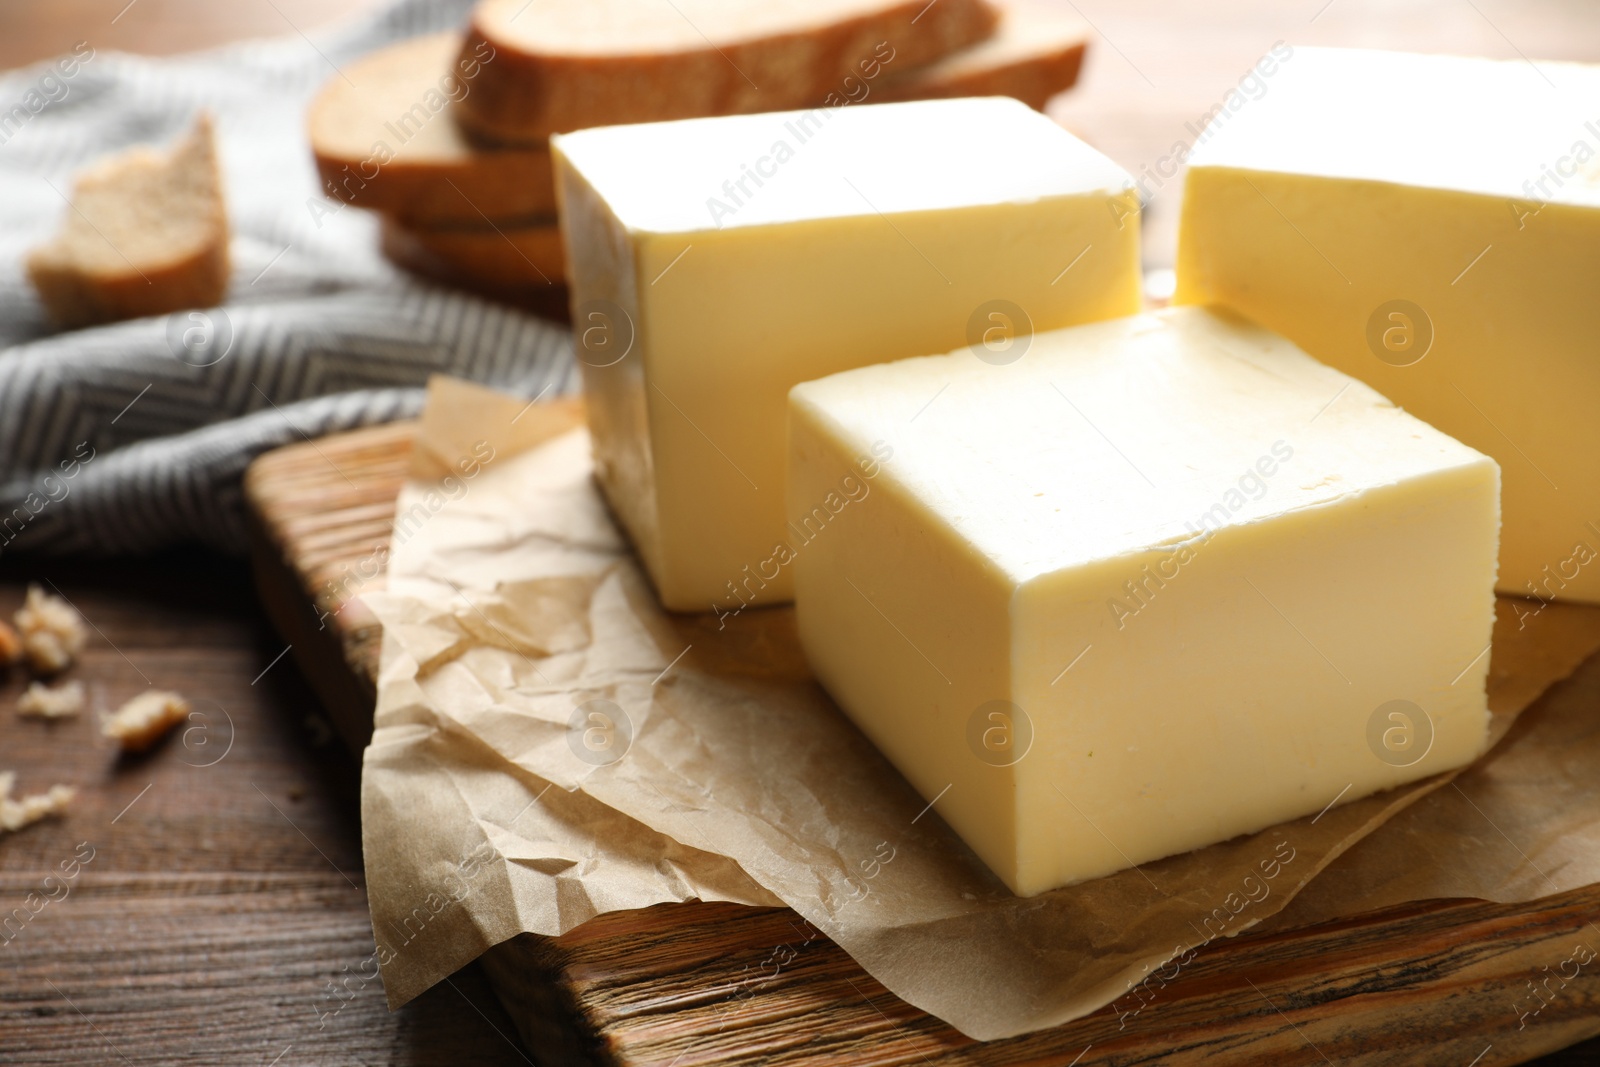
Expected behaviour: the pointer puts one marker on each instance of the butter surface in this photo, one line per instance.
(1430, 225)
(1157, 583)
(725, 260)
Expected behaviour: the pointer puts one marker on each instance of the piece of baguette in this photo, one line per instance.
(146, 234)
(560, 65)
(385, 137)
(484, 258)
(1035, 53)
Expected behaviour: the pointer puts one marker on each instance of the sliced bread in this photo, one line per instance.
(385, 137)
(560, 66)
(146, 233)
(1035, 54)
(485, 258)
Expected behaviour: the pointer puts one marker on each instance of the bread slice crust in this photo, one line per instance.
(560, 66)
(385, 137)
(145, 233)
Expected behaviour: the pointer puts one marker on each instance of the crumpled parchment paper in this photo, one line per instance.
(551, 745)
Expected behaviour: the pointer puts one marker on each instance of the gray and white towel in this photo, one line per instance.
(134, 436)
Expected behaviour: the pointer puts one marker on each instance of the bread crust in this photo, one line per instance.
(79, 291)
(380, 144)
(526, 95)
(521, 263)
(76, 297)
(491, 184)
(1039, 58)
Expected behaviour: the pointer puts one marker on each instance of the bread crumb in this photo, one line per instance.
(146, 719)
(53, 633)
(23, 811)
(10, 645)
(51, 702)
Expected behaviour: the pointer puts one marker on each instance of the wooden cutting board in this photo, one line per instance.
(683, 985)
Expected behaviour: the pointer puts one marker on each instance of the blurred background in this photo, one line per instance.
(1152, 66)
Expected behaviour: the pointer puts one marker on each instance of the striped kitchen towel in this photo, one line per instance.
(134, 436)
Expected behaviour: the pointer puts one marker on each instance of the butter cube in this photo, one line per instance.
(1431, 226)
(1161, 581)
(715, 263)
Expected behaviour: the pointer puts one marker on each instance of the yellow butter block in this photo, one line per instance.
(1146, 588)
(715, 263)
(1430, 225)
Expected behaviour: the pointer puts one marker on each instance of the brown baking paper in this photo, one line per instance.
(1520, 824)
(493, 802)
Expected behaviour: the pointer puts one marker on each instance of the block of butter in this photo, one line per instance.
(1162, 581)
(1430, 225)
(714, 263)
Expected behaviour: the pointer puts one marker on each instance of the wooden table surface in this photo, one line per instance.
(222, 918)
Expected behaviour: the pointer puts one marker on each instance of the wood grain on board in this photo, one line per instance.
(1433, 982)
